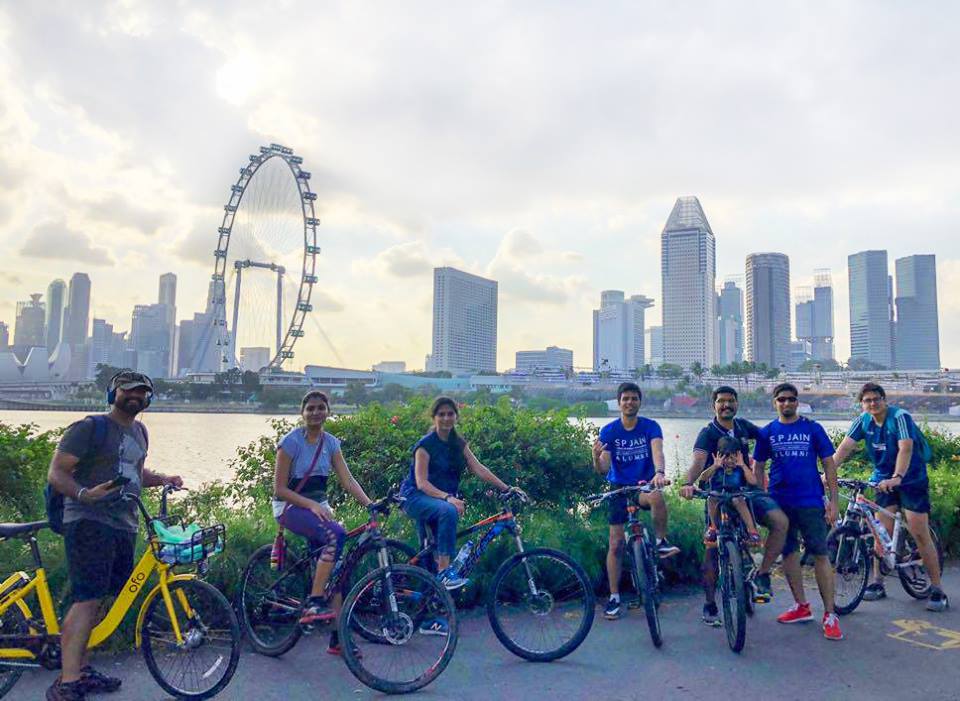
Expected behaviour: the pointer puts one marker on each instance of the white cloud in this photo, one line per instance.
(56, 240)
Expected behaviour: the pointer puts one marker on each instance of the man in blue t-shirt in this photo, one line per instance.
(794, 444)
(895, 447)
(630, 451)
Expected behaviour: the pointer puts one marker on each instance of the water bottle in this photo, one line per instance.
(884, 538)
(461, 558)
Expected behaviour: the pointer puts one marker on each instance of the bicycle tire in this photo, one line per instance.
(733, 592)
(645, 575)
(915, 580)
(256, 619)
(504, 596)
(852, 564)
(398, 553)
(12, 622)
(213, 620)
(433, 599)
(749, 588)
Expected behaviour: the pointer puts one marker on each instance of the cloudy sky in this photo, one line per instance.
(542, 144)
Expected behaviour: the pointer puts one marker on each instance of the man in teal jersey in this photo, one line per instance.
(895, 446)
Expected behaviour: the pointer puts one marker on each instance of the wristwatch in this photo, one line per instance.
(80, 493)
(446, 498)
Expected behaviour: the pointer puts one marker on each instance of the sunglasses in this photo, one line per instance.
(785, 400)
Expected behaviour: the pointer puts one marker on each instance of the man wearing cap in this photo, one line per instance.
(98, 458)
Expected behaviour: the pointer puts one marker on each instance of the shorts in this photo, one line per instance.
(99, 559)
(760, 503)
(617, 514)
(809, 523)
(909, 497)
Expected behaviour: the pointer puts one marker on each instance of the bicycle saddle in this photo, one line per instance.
(11, 530)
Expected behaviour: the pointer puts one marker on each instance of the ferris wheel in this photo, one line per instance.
(265, 262)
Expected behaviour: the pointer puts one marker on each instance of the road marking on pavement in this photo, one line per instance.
(917, 632)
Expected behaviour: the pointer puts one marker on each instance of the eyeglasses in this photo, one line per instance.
(785, 400)
(871, 400)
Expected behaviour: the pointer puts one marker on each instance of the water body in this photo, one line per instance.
(200, 446)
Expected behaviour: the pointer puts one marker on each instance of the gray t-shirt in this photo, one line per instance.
(122, 452)
(301, 455)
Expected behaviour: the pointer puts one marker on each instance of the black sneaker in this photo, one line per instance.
(711, 615)
(66, 692)
(665, 548)
(874, 592)
(762, 590)
(95, 682)
(938, 601)
(612, 611)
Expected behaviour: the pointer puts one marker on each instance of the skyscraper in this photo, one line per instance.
(815, 316)
(656, 346)
(168, 298)
(29, 332)
(76, 319)
(688, 270)
(618, 331)
(730, 323)
(56, 298)
(464, 322)
(871, 332)
(768, 309)
(4, 336)
(150, 338)
(918, 327)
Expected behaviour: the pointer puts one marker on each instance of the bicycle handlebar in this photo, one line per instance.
(726, 495)
(643, 488)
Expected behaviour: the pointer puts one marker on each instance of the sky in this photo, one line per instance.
(541, 144)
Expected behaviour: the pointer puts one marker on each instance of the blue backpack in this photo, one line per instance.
(890, 425)
(53, 499)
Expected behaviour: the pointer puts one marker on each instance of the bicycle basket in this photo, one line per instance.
(183, 546)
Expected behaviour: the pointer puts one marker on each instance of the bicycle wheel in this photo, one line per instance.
(541, 604)
(851, 562)
(749, 588)
(732, 592)
(914, 576)
(204, 662)
(407, 657)
(271, 601)
(366, 620)
(12, 622)
(645, 578)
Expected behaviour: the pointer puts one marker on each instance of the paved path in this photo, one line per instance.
(893, 649)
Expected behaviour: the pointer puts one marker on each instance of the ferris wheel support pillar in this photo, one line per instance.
(232, 336)
(280, 272)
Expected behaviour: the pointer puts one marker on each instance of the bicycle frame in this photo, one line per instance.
(864, 508)
(503, 521)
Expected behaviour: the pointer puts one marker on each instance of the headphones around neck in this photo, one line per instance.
(114, 383)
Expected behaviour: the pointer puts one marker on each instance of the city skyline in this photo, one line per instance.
(428, 153)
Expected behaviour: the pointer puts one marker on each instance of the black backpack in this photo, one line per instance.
(53, 499)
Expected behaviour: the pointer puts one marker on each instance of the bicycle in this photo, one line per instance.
(736, 565)
(385, 604)
(642, 553)
(272, 600)
(859, 537)
(186, 628)
(541, 603)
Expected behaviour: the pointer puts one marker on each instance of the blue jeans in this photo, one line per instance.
(439, 514)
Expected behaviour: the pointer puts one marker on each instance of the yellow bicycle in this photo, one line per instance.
(187, 629)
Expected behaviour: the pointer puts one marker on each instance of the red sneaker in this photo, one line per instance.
(798, 613)
(831, 627)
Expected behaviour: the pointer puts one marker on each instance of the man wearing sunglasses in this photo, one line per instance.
(794, 445)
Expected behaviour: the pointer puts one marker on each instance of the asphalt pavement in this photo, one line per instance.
(892, 649)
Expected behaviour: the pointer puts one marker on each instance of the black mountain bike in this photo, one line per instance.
(541, 603)
(385, 605)
(642, 554)
(737, 567)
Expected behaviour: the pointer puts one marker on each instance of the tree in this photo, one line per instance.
(356, 393)
(696, 369)
(829, 365)
(250, 380)
(670, 370)
(103, 375)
